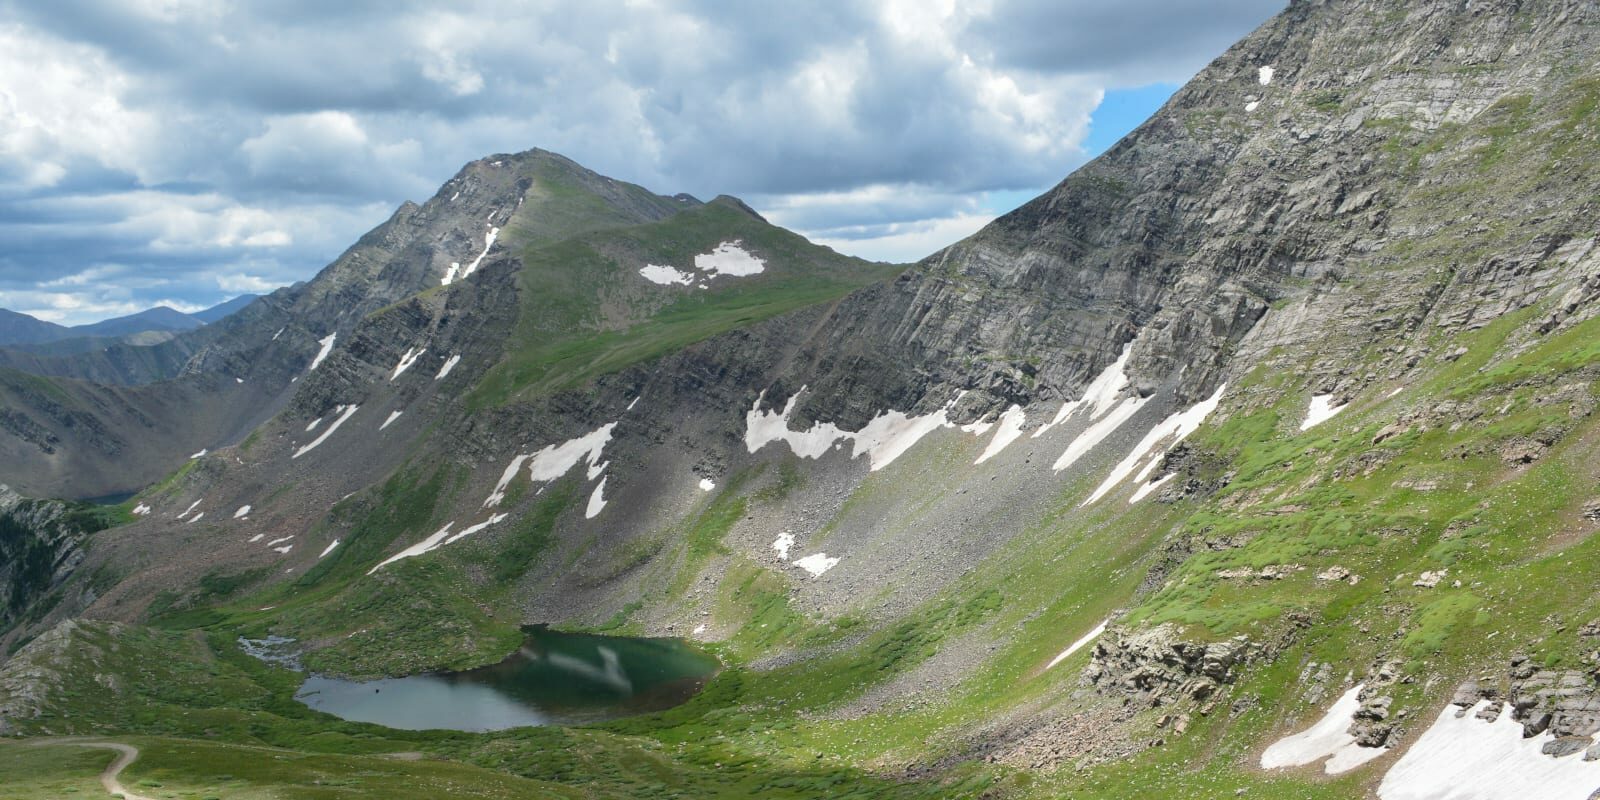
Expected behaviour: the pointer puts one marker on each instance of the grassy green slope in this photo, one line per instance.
(587, 312)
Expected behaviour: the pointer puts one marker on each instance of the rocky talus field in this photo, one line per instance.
(1258, 458)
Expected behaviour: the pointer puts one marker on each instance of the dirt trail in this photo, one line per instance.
(126, 754)
(110, 776)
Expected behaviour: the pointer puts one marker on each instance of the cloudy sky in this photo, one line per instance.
(180, 152)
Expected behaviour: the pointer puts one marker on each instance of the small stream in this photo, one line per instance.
(553, 679)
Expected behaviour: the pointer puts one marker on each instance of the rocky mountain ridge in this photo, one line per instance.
(1274, 411)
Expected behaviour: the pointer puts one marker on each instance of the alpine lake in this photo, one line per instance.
(552, 679)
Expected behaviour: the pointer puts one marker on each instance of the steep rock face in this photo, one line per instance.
(42, 544)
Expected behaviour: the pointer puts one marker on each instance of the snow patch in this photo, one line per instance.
(1465, 758)
(782, 544)
(729, 258)
(436, 540)
(1252, 105)
(698, 629)
(451, 273)
(276, 542)
(243, 510)
(284, 549)
(256, 538)
(1177, 427)
(554, 461)
(499, 493)
(883, 439)
(197, 518)
(329, 432)
(1322, 409)
(314, 424)
(633, 403)
(597, 500)
(141, 510)
(1078, 645)
(328, 549)
(666, 276)
(1099, 396)
(488, 243)
(279, 333)
(1147, 488)
(978, 427)
(1328, 739)
(406, 361)
(393, 415)
(449, 364)
(706, 484)
(327, 347)
(433, 541)
(1099, 430)
(189, 509)
(817, 563)
(1265, 75)
(1011, 423)
(200, 454)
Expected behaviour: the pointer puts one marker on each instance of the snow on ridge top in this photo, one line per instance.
(1462, 757)
(1178, 426)
(729, 258)
(1264, 75)
(1321, 410)
(329, 432)
(666, 276)
(449, 364)
(552, 462)
(406, 361)
(1327, 740)
(327, 347)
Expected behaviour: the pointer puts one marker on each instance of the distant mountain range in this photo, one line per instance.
(21, 329)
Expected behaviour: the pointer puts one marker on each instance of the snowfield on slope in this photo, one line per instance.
(332, 427)
(883, 439)
(729, 258)
(1328, 740)
(1321, 410)
(1462, 757)
(554, 461)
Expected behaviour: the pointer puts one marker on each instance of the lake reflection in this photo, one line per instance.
(553, 679)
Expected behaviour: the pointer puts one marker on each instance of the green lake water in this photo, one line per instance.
(553, 679)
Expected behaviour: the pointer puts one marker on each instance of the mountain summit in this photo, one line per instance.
(1257, 457)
